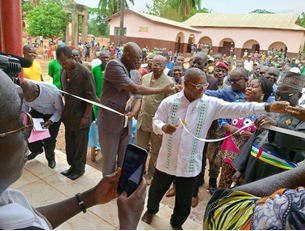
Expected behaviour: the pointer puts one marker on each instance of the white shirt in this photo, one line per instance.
(96, 62)
(17, 213)
(248, 65)
(180, 153)
(49, 101)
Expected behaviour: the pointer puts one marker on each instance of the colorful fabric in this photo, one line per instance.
(271, 158)
(230, 210)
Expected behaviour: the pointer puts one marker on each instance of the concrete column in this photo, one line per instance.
(67, 35)
(11, 28)
(85, 28)
(74, 28)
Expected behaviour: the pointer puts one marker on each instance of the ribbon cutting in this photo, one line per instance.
(184, 124)
(273, 128)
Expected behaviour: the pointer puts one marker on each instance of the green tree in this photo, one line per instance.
(185, 7)
(260, 11)
(162, 8)
(48, 20)
(174, 11)
(302, 20)
(97, 24)
(112, 6)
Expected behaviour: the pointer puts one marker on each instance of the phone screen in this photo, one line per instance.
(42, 123)
(132, 171)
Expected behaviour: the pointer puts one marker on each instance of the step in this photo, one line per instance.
(43, 186)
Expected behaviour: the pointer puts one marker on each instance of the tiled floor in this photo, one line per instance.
(44, 186)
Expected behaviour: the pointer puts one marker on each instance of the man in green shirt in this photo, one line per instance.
(98, 72)
(54, 72)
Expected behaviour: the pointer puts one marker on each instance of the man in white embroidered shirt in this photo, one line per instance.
(180, 155)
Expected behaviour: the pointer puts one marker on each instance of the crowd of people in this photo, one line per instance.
(215, 96)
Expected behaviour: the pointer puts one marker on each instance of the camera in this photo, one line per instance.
(12, 64)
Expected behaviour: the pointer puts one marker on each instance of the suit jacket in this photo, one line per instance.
(213, 82)
(116, 78)
(81, 84)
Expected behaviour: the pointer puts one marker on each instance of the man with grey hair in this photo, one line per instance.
(150, 104)
(180, 155)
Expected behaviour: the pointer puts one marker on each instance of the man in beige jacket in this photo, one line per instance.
(150, 104)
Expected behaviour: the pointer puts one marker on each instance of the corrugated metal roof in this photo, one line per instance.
(157, 20)
(270, 21)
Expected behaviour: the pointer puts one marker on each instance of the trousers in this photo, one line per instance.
(142, 139)
(48, 143)
(76, 148)
(185, 187)
(113, 144)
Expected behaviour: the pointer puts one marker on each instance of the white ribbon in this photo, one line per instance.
(270, 127)
(97, 104)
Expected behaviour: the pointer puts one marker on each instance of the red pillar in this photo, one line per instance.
(11, 27)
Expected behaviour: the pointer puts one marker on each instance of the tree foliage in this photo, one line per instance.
(172, 10)
(302, 20)
(260, 11)
(112, 6)
(47, 19)
(97, 24)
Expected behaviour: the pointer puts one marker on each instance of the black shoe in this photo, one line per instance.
(51, 163)
(67, 172)
(75, 175)
(34, 154)
(212, 186)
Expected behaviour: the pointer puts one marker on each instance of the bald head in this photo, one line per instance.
(132, 47)
(240, 70)
(192, 73)
(30, 90)
(132, 56)
(10, 103)
(203, 56)
(13, 146)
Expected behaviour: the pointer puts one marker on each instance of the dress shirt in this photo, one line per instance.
(180, 153)
(49, 101)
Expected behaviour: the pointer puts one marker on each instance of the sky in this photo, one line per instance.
(228, 6)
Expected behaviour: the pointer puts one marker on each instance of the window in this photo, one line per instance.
(117, 31)
(143, 29)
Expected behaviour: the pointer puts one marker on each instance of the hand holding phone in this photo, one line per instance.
(133, 168)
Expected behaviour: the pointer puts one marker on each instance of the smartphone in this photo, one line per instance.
(42, 123)
(132, 170)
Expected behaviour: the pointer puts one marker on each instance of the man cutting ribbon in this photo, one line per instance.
(180, 155)
(269, 152)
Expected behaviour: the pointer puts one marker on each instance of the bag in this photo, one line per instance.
(214, 153)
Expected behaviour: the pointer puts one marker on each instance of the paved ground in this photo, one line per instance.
(196, 213)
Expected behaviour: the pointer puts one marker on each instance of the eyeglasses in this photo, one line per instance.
(159, 65)
(262, 73)
(235, 80)
(198, 86)
(284, 96)
(136, 57)
(26, 129)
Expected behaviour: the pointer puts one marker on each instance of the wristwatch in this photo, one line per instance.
(267, 107)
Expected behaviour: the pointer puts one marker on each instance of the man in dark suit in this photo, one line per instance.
(121, 81)
(75, 79)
